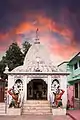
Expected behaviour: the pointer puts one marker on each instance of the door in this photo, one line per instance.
(37, 90)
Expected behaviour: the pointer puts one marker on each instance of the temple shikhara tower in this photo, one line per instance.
(38, 86)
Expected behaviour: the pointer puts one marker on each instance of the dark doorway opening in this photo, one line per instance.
(2, 90)
(37, 90)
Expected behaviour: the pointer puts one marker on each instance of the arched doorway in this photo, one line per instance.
(37, 90)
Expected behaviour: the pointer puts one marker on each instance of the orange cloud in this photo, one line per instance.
(46, 26)
(64, 51)
(24, 27)
(44, 23)
(3, 36)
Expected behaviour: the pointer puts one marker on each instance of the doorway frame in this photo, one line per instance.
(36, 80)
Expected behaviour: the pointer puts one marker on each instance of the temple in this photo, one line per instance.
(38, 82)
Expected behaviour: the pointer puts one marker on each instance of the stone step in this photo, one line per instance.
(2, 104)
(37, 102)
(14, 111)
(2, 108)
(36, 113)
(2, 112)
(36, 110)
(36, 107)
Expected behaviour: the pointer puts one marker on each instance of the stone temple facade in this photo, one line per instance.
(36, 77)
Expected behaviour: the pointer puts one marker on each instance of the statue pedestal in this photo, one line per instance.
(14, 111)
(58, 111)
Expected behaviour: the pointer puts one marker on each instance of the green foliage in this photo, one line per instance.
(26, 46)
(2, 66)
(13, 57)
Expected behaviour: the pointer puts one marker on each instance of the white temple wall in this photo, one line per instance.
(63, 83)
(10, 81)
(47, 78)
(25, 88)
(49, 87)
(10, 85)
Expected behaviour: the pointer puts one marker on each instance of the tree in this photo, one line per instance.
(14, 56)
(26, 46)
(2, 67)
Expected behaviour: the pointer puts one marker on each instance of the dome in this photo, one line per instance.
(37, 59)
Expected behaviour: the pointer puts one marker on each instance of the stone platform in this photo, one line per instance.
(58, 111)
(13, 111)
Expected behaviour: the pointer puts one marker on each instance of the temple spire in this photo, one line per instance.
(37, 36)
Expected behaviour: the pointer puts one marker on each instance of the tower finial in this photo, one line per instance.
(37, 37)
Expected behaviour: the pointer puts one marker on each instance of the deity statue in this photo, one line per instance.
(15, 92)
(15, 95)
(56, 94)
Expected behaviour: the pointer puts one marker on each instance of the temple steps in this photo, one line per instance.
(2, 108)
(36, 107)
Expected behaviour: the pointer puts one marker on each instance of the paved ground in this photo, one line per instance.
(75, 114)
(35, 117)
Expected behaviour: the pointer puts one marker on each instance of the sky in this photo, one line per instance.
(58, 22)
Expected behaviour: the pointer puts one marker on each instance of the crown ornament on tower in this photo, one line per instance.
(37, 37)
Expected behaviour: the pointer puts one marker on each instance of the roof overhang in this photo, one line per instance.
(38, 73)
(75, 58)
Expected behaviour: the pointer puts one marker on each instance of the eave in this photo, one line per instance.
(38, 73)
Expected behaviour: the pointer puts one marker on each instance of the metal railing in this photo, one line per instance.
(5, 100)
(22, 105)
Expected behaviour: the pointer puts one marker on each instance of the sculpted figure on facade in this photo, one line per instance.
(16, 93)
(56, 94)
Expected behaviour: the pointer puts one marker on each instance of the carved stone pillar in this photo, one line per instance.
(49, 86)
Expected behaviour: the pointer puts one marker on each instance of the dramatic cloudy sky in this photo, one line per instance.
(58, 22)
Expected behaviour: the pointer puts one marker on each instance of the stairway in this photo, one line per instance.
(38, 107)
(2, 108)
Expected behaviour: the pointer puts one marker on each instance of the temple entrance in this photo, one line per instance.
(37, 90)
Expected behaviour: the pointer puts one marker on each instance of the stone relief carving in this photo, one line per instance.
(16, 92)
(56, 94)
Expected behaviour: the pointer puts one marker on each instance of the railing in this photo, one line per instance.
(5, 100)
(22, 105)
